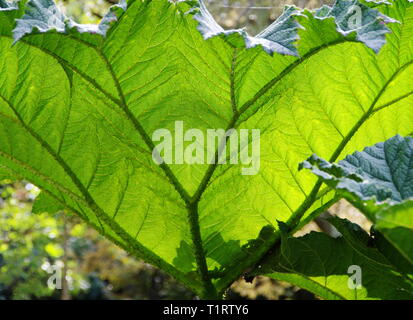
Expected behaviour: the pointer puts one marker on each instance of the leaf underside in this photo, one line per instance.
(79, 104)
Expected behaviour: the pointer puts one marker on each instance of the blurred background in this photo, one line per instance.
(255, 15)
(58, 257)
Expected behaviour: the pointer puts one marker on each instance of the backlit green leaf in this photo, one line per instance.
(79, 105)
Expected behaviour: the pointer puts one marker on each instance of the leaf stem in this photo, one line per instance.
(209, 291)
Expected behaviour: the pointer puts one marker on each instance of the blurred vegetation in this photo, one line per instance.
(33, 247)
(254, 15)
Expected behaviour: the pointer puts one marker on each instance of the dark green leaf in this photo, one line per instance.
(324, 265)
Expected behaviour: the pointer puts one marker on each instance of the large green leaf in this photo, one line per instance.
(325, 265)
(79, 105)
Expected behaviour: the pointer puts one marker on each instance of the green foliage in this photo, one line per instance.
(79, 103)
(320, 264)
(378, 181)
(31, 250)
(28, 244)
(381, 172)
